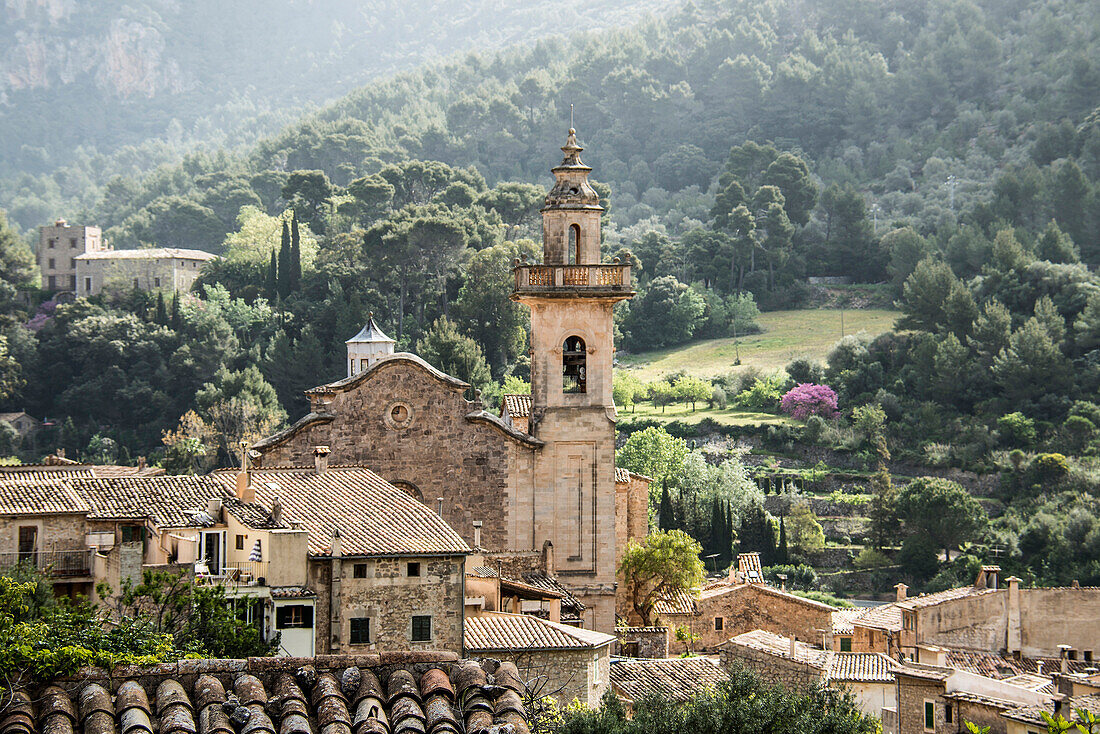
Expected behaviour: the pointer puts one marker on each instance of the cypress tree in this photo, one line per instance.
(162, 311)
(175, 319)
(782, 553)
(284, 262)
(295, 255)
(727, 537)
(271, 285)
(666, 517)
(767, 551)
(717, 520)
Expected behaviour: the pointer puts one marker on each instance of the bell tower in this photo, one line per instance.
(572, 295)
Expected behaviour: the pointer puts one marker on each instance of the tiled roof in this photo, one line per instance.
(675, 679)
(571, 606)
(724, 587)
(676, 602)
(1032, 714)
(169, 501)
(335, 694)
(1032, 682)
(994, 665)
(374, 517)
(931, 600)
(748, 565)
(861, 667)
(497, 632)
(518, 406)
(622, 476)
(252, 515)
(981, 699)
(148, 253)
(773, 644)
(885, 617)
(292, 592)
(842, 621)
(39, 496)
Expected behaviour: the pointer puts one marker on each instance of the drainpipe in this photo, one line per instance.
(335, 598)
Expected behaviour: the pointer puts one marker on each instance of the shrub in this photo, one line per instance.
(871, 558)
(806, 370)
(1050, 467)
(800, 577)
(1016, 430)
(815, 429)
(763, 395)
(806, 399)
(919, 556)
(718, 398)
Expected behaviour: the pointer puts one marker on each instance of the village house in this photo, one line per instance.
(544, 470)
(58, 247)
(168, 269)
(23, 423)
(744, 603)
(1037, 622)
(674, 679)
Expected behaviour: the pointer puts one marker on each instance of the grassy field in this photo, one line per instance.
(683, 413)
(786, 335)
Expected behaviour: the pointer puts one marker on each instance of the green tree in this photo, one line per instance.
(882, 510)
(627, 389)
(309, 193)
(667, 312)
(942, 511)
(691, 389)
(447, 350)
(661, 393)
(666, 515)
(807, 535)
(664, 563)
(654, 453)
(906, 249)
(924, 294)
(791, 175)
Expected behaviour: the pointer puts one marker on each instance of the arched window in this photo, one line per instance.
(573, 368)
(410, 489)
(574, 244)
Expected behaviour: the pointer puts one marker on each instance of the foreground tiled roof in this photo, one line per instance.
(1033, 715)
(773, 644)
(994, 665)
(675, 679)
(676, 603)
(47, 496)
(374, 517)
(500, 632)
(409, 693)
(169, 501)
(861, 667)
(518, 406)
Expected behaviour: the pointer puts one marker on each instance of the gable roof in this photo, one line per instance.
(42, 496)
(374, 518)
(675, 679)
(501, 632)
(168, 501)
(148, 253)
(384, 362)
(323, 694)
(676, 602)
(930, 600)
(842, 621)
(773, 644)
(861, 667)
(884, 617)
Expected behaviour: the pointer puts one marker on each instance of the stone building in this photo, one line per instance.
(550, 477)
(158, 268)
(58, 247)
(24, 423)
(561, 661)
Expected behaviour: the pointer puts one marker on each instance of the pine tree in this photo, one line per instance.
(782, 552)
(284, 262)
(666, 518)
(295, 255)
(271, 285)
(162, 311)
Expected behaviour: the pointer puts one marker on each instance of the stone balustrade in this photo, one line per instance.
(594, 279)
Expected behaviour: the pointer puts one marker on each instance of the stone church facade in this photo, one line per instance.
(548, 475)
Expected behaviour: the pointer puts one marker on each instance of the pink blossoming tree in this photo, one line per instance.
(806, 399)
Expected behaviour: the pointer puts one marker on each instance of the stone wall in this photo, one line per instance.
(976, 713)
(642, 642)
(55, 532)
(912, 694)
(566, 675)
(389, 598)
(770, 667)
(748, 607)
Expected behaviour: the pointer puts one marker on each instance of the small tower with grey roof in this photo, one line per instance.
(367, 347)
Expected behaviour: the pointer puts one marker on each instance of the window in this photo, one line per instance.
(293, 616)
(72, 243)
(947, 713)
(413, 568)
(718, 624)
(929, 715)
(1072, 654)
(51, 244)
(53, 282)
(359, 571)
(573, 363)
(28, 543)
(72, 282)
(72, 262)
(1088, 656)
(421, 628)
(87, 285)
(156, 282)
(360, 630)
(132, 533)
(845, 644)
(52, 264)
(574, 256)
(240, 541)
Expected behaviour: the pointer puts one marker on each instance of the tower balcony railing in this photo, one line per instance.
(611, 278)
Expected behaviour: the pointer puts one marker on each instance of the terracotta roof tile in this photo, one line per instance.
(885, 617)
(169, 501)
(994, 665)
(931, 600)
(291, 592)
(518, 406)
(334, 694)
(676, 603)
(748, 565)
(1032, 714)
(843, 619)
(676, 679)
(148, 253)
(42, 496)
(771, 643)
(374, 517)
(861, 667)
(497, 631)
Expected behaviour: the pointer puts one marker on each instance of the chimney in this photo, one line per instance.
(336, 550)
(320, 458)
(440, 501)
(141, 463)
(1059, 705)
(902, 589)
(477, 533)
(548, 565)
(1015, 636)
(214, 508)
(245, 492)
(782, 581)
(1063, 651)
(276, 510)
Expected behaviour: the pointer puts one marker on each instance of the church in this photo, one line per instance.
(541, 475)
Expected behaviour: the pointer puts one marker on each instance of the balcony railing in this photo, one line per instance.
(246, 573)
(66, 563)
(588, 279)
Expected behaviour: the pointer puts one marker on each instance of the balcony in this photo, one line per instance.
(245, 573)
(574, 280)
(56, 564)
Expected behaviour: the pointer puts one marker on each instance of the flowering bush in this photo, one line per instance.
(808, 399)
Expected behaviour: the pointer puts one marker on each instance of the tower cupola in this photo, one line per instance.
(367, 347)
(571, 217)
